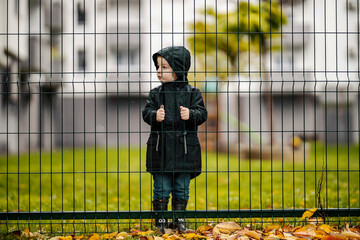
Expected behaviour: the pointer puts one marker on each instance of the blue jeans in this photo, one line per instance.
(175, 183)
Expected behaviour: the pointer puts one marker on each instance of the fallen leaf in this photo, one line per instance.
(174, 237)
(334, 237)
(26, 232)
(189, 235)
(350, 234)
(207, 233)
(309, 213)
(95, 236)
(66, 238)
(122, 234)
(272, 237)
(289, 236)
(79, 237)
(135, 232)
(169, 231)
(109, 236)
(355, 229)
(204, 228)
(253, 234)
(244, 238)
(232, 237)
(326, 228)
(226, 228)
(287, 229)
(305, 231)
(272, 227)
(148, 237)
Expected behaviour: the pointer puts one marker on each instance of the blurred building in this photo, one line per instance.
(76, 73)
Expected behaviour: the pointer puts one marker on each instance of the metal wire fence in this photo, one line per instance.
(279, 80)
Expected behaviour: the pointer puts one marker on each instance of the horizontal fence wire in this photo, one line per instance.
(279, 81)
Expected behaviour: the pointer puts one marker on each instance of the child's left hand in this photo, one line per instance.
(184, 113)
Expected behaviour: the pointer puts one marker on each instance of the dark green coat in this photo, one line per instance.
(173, 145)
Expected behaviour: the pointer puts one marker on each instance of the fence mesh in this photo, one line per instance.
(279, 79)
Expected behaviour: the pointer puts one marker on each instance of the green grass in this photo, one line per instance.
(116, 180)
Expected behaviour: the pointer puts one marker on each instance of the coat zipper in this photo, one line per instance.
(185, 147)
(157, 141)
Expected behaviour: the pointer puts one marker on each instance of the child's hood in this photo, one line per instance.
(179, 59)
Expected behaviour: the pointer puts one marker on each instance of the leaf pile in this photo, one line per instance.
(225, 230)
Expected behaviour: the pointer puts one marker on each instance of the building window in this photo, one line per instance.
(81, 60)
(81, 13)
(127, 57)
(16, 6)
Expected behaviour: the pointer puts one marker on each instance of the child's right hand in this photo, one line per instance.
(160, 114)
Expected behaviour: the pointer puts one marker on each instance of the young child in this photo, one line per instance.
(174, 110)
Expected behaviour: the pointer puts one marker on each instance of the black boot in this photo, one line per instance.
(160, 222)
(180, 205)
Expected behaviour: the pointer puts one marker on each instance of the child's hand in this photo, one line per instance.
(160, 114)
(184, 113)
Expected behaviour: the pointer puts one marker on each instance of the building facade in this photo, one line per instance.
(76, 73)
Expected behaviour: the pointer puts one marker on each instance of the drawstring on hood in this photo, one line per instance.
(179, 59)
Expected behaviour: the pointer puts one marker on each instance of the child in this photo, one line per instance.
(174, 110)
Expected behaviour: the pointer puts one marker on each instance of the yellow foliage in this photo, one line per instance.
(308, 213)
(109, 236)
(95, 236)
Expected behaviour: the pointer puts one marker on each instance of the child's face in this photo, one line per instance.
(165, 72)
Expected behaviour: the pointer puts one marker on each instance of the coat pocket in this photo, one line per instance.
(190, 145)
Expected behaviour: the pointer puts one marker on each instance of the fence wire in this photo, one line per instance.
(279, 79)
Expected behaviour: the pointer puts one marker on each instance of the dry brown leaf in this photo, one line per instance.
(26, 232)
(279, 234)
(334, 237)
(272, 237)
(355, 230)
(287, 229)
(253, 234)
(174, 237)
(289, 236)
(206, 233)
(308, 213)
(227, 227)
(233, 237)
(203, 228)
(304, 232)
(189, 235)
(122, 234)
(350, 234)
(272, 227)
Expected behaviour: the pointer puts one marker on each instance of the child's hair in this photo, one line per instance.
(178, 57)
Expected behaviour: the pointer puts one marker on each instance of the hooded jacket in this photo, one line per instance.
(173, 144)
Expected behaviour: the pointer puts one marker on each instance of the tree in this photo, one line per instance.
(231, 36)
